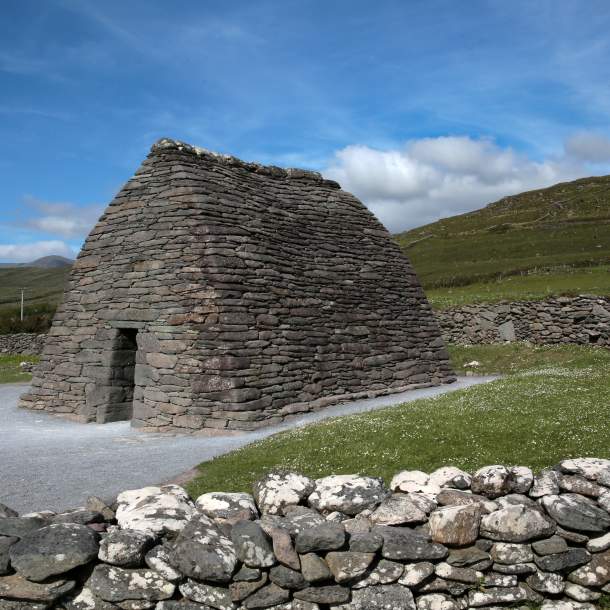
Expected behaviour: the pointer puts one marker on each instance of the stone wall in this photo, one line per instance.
(215, 293)
(582, 320)
(21, 343)
(444, 541)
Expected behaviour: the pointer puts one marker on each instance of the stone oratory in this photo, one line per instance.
(219, 294)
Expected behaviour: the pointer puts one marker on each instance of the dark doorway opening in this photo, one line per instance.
(119, 406)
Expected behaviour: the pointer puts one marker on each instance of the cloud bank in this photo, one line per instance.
(432, 178)
(28, 252)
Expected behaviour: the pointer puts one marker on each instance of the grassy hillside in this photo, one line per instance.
(559, 228)
(43, 291)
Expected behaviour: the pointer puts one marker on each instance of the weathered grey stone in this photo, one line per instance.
(507, 553)
(398, 509)
(465, 575)
(449, 476)
(516, 524)
(580, 593)
(414, 481)
(546, 582)
(278, 490)
(493, 579)
(283, 548)
(558, 562)
(415, 573)
(349, 494)
(80, 516)
(515, 568)
(384, 572)
(286, 578)
(243, 588)
(158, 559)
(546, 483)
(322, 537)
(346, 566)
(85, 599)
(6, 512)
(588, 467)
(365, 542)
(576, 512)
(6, 542)
(455, 525)
(53, 550)
(314, 568)
(471, 556)
(125, 548)
(20, 526)
(595, 545)
(16, 587)
(579, 485)
(115, 584)
(404, 544)
(594, 574)
(491, 481)
(380, 597)
(252, 545)
(214, 597)
(326, 594)
(491, 597)
(227, 506)
(203, 552)
(154, 510)
(550, 546)
(267, 597)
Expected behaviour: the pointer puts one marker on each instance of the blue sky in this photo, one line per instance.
(422, 108)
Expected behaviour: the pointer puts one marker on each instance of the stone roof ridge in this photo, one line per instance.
(270, 170)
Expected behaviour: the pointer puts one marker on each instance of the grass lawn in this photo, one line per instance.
(530, 287)
(10, 371)
(553, 403)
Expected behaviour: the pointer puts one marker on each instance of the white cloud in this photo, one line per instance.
(66, 220)
(25, 253)
(588, 146)
(432, 178)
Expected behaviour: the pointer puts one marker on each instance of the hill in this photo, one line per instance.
(45, 262)
(544, 232)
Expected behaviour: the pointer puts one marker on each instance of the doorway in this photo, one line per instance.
(119, 403)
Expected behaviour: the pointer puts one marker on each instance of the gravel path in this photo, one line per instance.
(50, 463)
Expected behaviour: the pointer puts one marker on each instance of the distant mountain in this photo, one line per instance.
(45, 262)
(565, 225)
(51, 262)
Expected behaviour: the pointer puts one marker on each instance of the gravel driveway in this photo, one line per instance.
(50, 463)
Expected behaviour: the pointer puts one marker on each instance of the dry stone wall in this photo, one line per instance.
(215, 293)
(448, 540)
(21, 343)
(581, 320)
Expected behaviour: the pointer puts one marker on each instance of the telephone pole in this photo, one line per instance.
(22, 291)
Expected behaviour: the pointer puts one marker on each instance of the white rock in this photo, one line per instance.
(451, 477)
(546, 483)
(491, 481)
(580, 593)
(349, 494)
(154, 510)
(522, 479)
(436, 601)
(277, 490)
(590, 468)
(396, 510)
(416, 573)
(516, 523)
(455, 525)
(219, 505)
(596, 545)
(510, 553)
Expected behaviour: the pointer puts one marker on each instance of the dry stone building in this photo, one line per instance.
(215, 293)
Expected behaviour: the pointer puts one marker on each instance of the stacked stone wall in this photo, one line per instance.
(502, 537)
(22, 343)
(583, 320)
(256, 294)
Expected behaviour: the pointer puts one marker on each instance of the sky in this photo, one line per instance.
(422, 108)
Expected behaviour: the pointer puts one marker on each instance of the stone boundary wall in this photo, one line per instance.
(22, 343)
(582, 320)
(440, 541)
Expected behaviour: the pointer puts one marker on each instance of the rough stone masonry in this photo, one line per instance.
(448, 540)
(215, 293)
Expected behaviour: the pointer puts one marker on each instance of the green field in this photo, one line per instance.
(566, 225)
(553, 403)
(527, 287)
(43, 291)
(10, 372)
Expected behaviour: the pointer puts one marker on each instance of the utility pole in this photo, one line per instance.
(22, 291)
